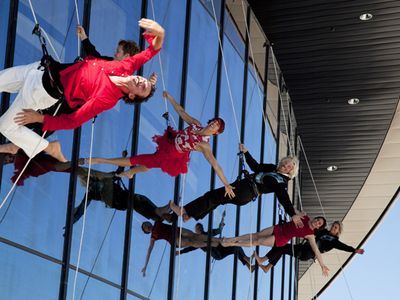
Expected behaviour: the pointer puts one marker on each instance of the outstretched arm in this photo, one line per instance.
(314, 247)
(206, 150)
(342, 246)
(253, 164)
(179, 109)
(151, 245)
(154, 29)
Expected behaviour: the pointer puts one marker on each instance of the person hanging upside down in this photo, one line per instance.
(219, 252)
(279, 235)
(93, 84)
(161, 231)
(268, 178)
(174, 147)
(326, 241)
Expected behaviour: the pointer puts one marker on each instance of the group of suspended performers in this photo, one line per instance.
(64, 96)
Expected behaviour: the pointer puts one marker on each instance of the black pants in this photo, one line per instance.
(220, 252)
(203, 205)
(113, 195)
(302, 252)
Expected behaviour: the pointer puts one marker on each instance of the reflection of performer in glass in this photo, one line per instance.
(280, 235)
(267, 178)
(161, 231)
(174, 147)
(106, 187)
(219, 252)
(326, 241)
(93, 84)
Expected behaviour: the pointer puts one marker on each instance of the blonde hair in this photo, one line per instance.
(290, 159)
(340, 226)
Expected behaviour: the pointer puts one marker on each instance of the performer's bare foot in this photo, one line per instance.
(179, 211)
(259, 259)
(9, 148)
(54, 149)
(163, 210)
(250, 267)
(266, 268)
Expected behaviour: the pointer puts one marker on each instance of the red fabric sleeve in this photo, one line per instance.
(90, 109)
(133, 63)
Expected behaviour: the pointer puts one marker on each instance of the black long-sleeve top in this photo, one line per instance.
(272, 182)
(90, 50)
(327, 242)
(214, 232)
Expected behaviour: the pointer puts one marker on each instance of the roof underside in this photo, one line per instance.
(328, 55)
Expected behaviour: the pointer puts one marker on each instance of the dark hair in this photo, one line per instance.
(129, 47)
(221, 124)
(139, 99)
(145, 223)
(324, 224)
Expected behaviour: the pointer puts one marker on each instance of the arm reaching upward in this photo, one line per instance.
(179, 109)
(149, 250)
(206, 150)
(153, 28)
(314, 247)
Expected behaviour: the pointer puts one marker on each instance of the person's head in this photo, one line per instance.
(216, 126)
(289, 165)
(147, 227)
(336, 228)
(125, 49)
(140, 89)
(318, 223)
(198, 228)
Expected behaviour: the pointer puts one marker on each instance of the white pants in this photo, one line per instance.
(27, 81)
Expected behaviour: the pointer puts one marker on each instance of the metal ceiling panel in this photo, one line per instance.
(328, 55)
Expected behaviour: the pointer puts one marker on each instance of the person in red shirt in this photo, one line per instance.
(279, 235)
(174, 147)
(94, 85)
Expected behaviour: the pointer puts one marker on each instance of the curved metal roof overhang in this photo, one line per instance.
(328, 55)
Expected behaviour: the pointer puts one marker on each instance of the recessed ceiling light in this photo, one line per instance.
(353, 101)
(366, 17)
(332, 168)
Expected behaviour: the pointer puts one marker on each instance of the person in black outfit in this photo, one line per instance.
(124, 49)
(326, 241)
(220, 252)
(267, 178)
(108, 188)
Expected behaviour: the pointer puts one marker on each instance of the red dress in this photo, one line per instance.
(87, 83)
(284, 232)
(162, 231)
(173, 149)
(39, 165)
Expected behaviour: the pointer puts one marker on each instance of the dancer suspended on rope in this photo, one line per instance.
(326, 241)
(268, 178)
(279, 235)
(125, 48)
(161, 231)
(219, 252)
(93, 84)
(174, 147)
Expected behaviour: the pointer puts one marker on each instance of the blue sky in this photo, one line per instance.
(374, 275)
